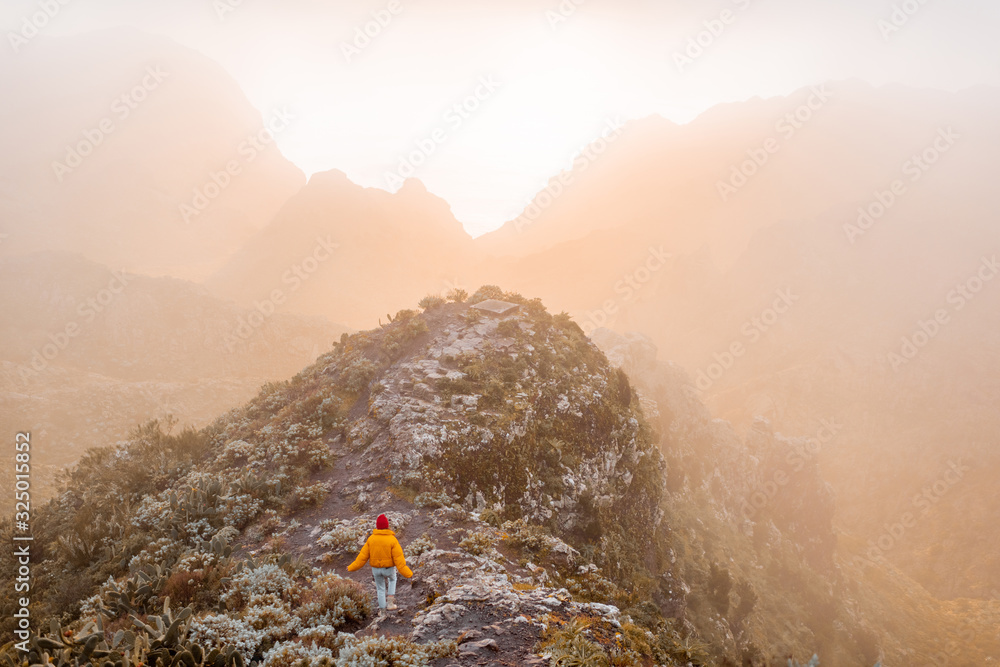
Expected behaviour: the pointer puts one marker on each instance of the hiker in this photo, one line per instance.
(386, 556)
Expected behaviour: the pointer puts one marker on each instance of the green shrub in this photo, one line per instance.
(569, 646)
(485, 293)
(398, 651)
(402, 332)
(430, 302)
(491, 517)
(358, 373)
(307, 496)
(478, 543)
(508, 328)
(431, 500)
(527, 537)
(419, 546)
(335, 600)
(297, 654)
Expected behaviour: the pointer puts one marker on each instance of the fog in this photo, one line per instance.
(778, 218)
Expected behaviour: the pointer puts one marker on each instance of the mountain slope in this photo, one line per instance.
(109, 135)
(518, 468)
(390, 249)
(87, 352)
(832, 312)
(743, 166)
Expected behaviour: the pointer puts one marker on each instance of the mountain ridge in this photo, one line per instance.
(591, 554)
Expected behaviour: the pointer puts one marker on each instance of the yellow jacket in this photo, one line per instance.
(383, 550)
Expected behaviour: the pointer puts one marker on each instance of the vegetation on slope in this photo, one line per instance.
(151, 520)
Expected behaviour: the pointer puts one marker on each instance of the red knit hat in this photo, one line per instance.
(382, 522)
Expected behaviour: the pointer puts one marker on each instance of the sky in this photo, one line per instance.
(534, 81)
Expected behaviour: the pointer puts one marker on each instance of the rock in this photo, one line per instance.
(479, 646)
(424, 392)
(459, 400)
(631, 351)
(606, 610)
(562, 554)
(470, 636)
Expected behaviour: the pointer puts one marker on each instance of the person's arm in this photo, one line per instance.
(362, 558)
(399, 560)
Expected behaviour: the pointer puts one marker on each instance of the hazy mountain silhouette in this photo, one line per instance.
(670, 181)
(339, 248)
(815, 298)
(526, 476)
(109, 134)
(814, 301)
(88, 352)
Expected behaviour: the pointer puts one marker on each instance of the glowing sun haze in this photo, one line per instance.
(557, 72)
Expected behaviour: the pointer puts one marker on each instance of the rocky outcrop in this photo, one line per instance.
(520, 414)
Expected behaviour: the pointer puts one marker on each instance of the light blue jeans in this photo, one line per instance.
(383, 576)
